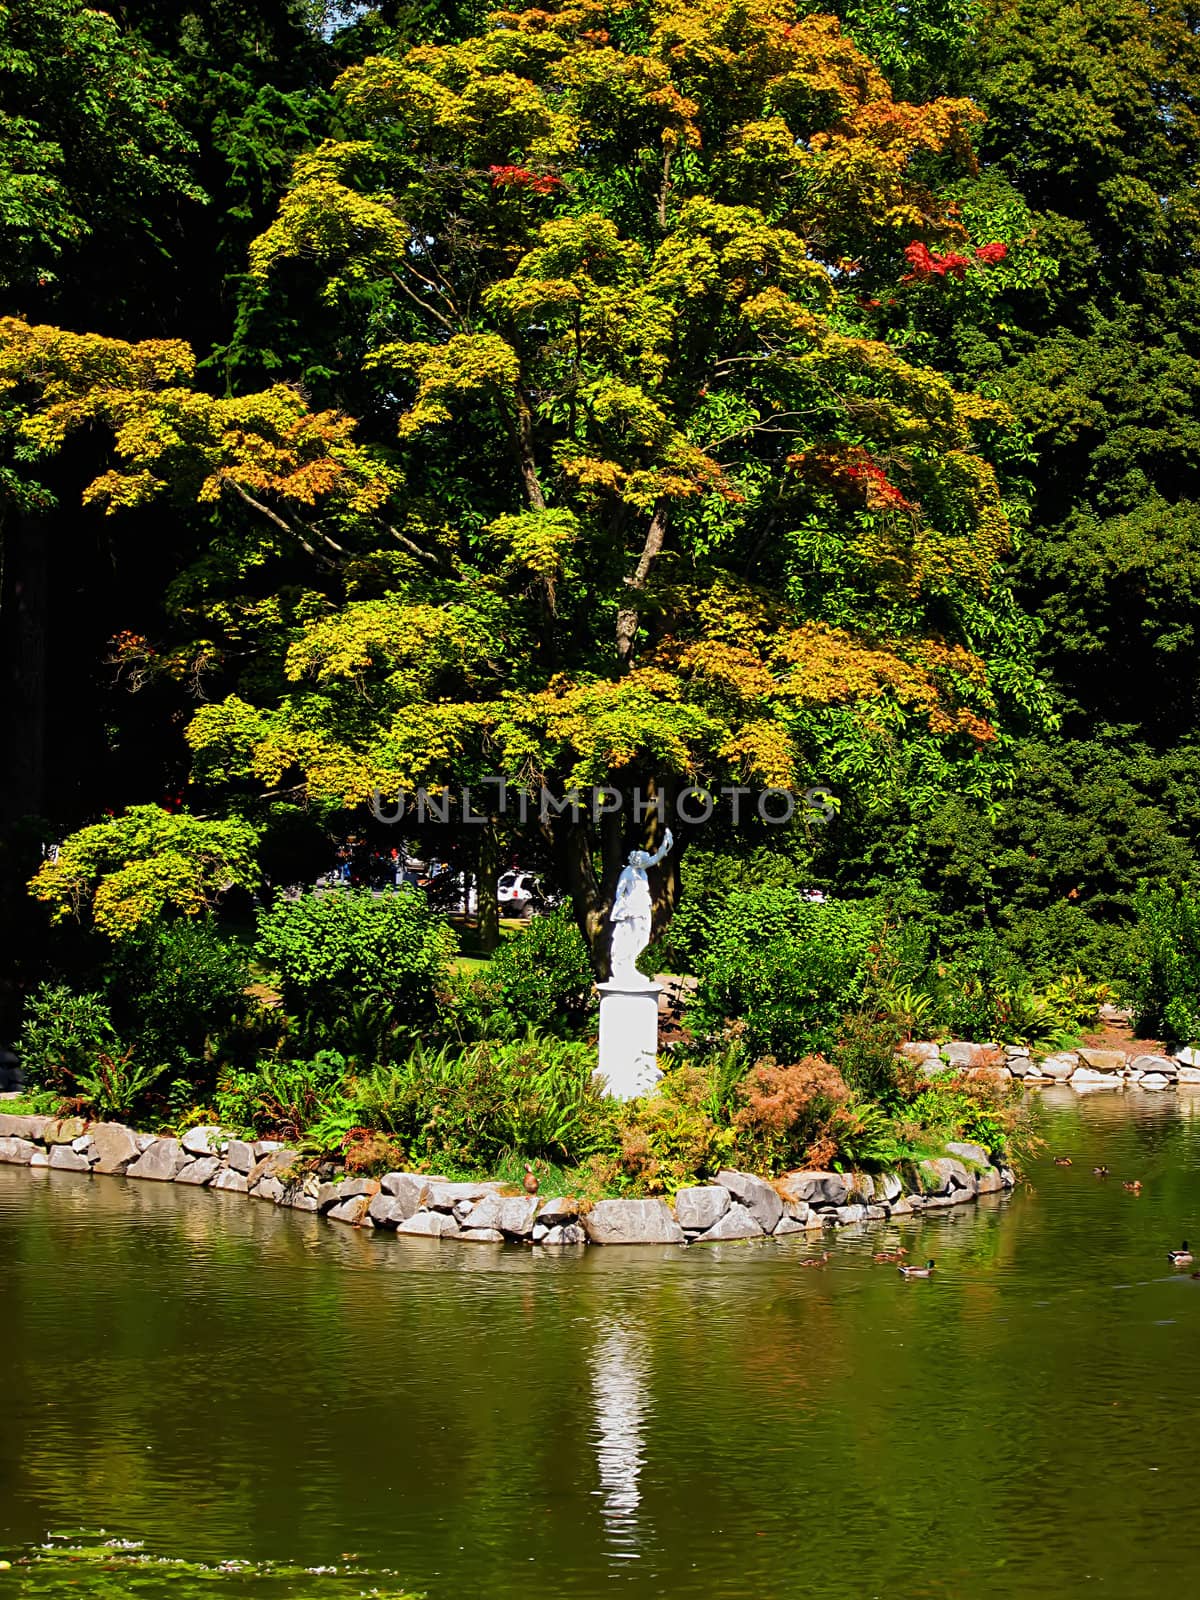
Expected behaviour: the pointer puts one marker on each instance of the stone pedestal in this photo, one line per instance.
(629, 1038)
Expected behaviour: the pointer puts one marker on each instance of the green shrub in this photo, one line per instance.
(70, 1048)
(962, 995)
(670, 1138)
(976, 1110)
(866, 1053)
(976, 992)
(1164, 975)
(966, 1004)
(1025, 1017)
(542, 978)
(785, 969)
(708, 878)
(482, 1110)
(334, 951)
(867, 1138)
(175, 988)
(723, 1064)
(62, 1035)
(1074, 1001)
(1063, 937)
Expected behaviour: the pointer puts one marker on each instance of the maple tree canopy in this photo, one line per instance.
(637, 492)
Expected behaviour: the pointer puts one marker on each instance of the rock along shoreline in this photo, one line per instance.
(736, 1206)
(1081, 1068)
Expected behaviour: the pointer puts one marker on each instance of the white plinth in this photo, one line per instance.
(629, 1039)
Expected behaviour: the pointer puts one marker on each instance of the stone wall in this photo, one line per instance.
(736, 1206)
(1082, 1069)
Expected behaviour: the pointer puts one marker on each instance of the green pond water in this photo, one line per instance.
(224, 1382)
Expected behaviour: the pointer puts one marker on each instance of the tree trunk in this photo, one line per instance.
(628, 614)
(573, 843)
(24, 659)
(487, 906)
(665, 879)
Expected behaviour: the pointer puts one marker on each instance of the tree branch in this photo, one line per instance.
(664, 189)
(424, 304)
(520, 430)
(443, 289)
(412, 548)
(760, 427)
(627, 616)
(273, 516)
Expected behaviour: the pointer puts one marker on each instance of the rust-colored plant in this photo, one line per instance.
(774, 1097)
(636, 1159)
(819, 1153)
(784, 1109)
(368, 1152)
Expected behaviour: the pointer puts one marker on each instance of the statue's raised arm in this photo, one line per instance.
(663, 850)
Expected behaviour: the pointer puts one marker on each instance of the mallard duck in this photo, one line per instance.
(529, 1181)
(1099, 1172)
(1180, 1258)
(816, 1261)
(1062, 1161)
(897, 1254)
(918, 1272)
(1134, 1186)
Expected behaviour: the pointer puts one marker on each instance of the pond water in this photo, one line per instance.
(221, 1380)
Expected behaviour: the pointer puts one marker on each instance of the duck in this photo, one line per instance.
(816, 1261)
(1062, 1161)
(1180, 1258)
(1134, 1186)
(530, 1181)
(890, 1255)
(1099, 1172)
(918, 1272)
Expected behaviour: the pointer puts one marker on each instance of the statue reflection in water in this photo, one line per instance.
(621, 1395)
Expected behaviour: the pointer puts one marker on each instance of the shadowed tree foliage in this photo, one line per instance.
(1092, 110)
(1090, 147)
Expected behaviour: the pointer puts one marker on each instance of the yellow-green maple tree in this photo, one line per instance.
(641, 498)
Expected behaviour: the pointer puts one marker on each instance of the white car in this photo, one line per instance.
(521, 894)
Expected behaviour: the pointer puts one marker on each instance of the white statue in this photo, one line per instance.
(631, 914)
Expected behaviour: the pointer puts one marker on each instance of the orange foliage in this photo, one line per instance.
(774, 1098)
(785, 1110)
